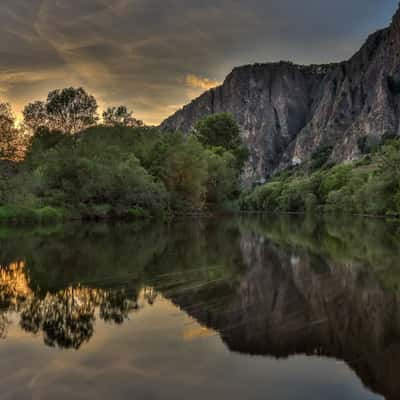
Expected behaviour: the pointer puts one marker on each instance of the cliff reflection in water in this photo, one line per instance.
(273, 286)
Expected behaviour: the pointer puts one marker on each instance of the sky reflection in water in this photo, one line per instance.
(255, 308)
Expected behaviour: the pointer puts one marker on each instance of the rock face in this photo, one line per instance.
(287, 111)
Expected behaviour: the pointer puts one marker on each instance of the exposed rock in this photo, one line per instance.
(287, 111)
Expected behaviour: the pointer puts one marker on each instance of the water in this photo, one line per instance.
(234, 308)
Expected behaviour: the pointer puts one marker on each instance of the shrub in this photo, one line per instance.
(49, 215)
(138, 213)
(310, 202)
(17, 214)
(320, 157)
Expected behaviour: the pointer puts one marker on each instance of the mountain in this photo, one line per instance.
(288, 111)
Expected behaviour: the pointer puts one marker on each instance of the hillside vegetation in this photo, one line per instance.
(370, 185)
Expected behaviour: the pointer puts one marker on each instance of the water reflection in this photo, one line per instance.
(65, 318)
(275, 286)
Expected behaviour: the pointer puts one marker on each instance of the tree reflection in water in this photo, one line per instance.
(65, 318)
(274, 286)
(14, 292)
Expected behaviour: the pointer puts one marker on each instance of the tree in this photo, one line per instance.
(10, 139)
(185, 173)
(222, 181)
(221, 130)
(320, 156)
(120, 116)
(68, 110)
(389, 160)
(42, 140)
(71, 110)
(35, 116)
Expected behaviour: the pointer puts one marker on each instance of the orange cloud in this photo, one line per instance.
(200, 82)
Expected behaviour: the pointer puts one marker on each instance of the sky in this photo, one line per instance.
(156, 55)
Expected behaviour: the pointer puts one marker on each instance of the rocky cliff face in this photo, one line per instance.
(287, 111)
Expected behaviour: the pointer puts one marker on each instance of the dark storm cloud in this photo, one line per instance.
(154, 55)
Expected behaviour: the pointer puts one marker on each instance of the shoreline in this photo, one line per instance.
(21, 216)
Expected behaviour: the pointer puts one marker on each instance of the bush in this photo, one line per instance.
(185, 175)
(222, 181)
(310, 202)
(219, 130)
(17, 215)
(49, 215)
(138, 213)
(335, 179)
(222, 131)
(320, 157)
(339, 200)
(121, 172)
(263, 198)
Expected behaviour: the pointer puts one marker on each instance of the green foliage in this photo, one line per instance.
(17, 214)
(222, 183)
(310, 202)
(48, 215)
(121, 169)
(389, 160)
(368, 187)
(221, 130)
(119, 172)
(74, 176)
(41, 142)
(320, 157)
(335, 179)
(263, 198)
(185, 174)
(138, 213)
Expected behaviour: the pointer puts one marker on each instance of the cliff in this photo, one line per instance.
(287, 111)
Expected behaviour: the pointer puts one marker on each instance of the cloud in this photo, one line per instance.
(155, 55)
(200, 83)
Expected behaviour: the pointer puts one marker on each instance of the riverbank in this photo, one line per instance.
(51, 215)
(12, 215)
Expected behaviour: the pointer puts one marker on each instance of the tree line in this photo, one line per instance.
(68, 110)
(64, 161)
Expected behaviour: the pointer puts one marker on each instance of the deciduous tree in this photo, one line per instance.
(68, 110)
(10, 139)
(120, 116)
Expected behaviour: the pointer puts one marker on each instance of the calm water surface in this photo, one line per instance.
(241, 308)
